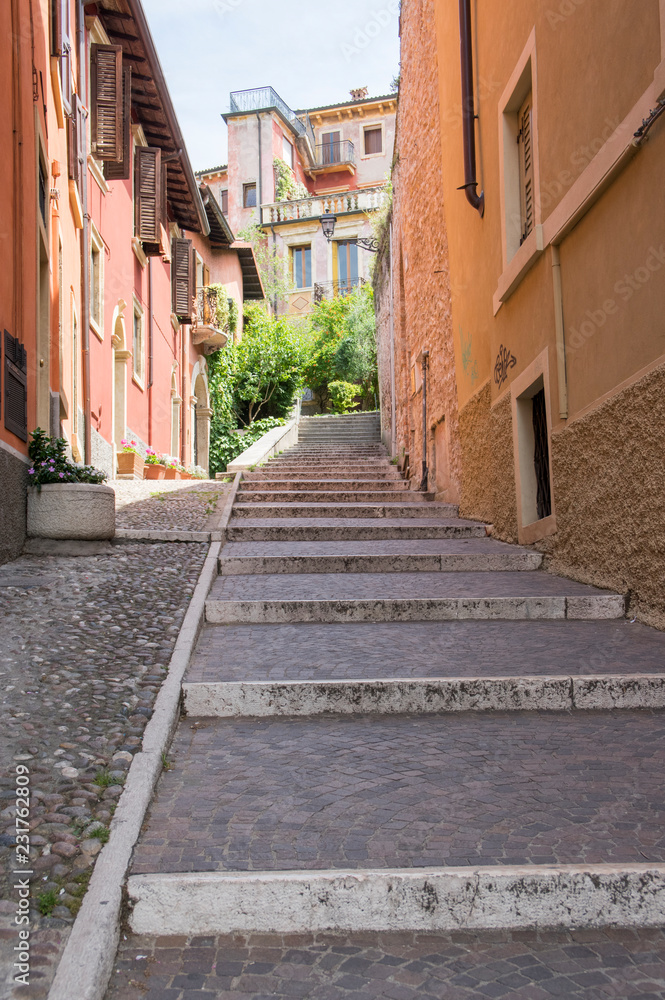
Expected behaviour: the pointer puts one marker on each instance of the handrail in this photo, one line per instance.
(468, 112)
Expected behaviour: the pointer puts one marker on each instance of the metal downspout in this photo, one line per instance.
(85, 256)
(150, 351)
(468, 110)
(259, 186)
(560, 330)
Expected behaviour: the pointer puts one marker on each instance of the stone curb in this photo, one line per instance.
(404, 696)
(476, 562)
(592, 608)
(398, 508)
(415, 899)
(246, 531)
(127, 535)
(87, 961)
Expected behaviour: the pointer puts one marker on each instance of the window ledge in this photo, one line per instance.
(98, 173)
(138, 251)
(138, 382)
(75, 204)
(537, 530)
(518, 267)
(97, 330)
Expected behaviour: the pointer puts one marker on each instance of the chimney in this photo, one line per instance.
(359, 94)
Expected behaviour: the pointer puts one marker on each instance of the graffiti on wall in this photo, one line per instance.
(504, 361)
(469, 366)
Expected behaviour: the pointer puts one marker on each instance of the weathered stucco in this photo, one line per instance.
(13, 476)
(488, 474)
(609, 482)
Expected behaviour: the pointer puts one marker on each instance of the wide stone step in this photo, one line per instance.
(408, 965)
(301, 529)
(380, 597)
(481, 555)
(319, 485)
(397, 509)
(400, 494)
(510, 820)
(268, 473)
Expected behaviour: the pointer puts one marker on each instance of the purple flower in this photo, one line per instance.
(31, 472)
(62, 475)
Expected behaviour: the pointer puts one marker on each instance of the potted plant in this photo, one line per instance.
(130, 461)
(66, 500)
(154, 465)
(197, 472)
(184, 474)
(171, 468)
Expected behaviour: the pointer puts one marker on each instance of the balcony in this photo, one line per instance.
(335, 289)
(262, 99)
(366, 200)
(209, 328)
(333, 156)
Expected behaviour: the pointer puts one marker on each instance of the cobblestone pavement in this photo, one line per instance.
(590, 965)
(513, 788)
(377, 586)
(425, 649)
(84, 646)
(164, 505)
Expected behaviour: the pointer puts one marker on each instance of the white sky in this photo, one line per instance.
(312, 53)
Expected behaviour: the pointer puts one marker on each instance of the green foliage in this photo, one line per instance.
(225, 445)
(343, 396)
(104, 778)
(47, 901)
(234, 316)
(287, 188)
(222, 319)
(51, 465)
(273, 268)
(102, 833)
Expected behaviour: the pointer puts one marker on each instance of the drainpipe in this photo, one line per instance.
(560, 331)
(85, 256)
(423, 482)
(468, 114)
(150, 351)
(17, 128)
(259, 186)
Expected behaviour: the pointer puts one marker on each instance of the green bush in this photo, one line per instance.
(343, 396)
(51, 465)
(225, 445)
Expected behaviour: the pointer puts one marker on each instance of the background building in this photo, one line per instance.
(542, 313)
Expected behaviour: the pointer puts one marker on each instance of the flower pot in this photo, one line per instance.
(71, 510)
(171, 473)
(153, 471)
(130, 464)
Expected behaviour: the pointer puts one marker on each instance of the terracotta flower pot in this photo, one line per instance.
(130, 464)
(171, 473)
(155, 471)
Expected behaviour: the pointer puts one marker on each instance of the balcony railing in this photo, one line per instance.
(367, 200)
(206, 328)
(260, 100)
(330, 154)
(333, 289)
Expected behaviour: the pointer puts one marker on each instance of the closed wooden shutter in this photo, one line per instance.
(206, 276)
(16, 387)
(72, 142)
(122, 170)
(106, 103)
(182, 284)
(56, 28)
(373, 141)
(147, 193)
(525, 145)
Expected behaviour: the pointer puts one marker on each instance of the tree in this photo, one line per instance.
(273, 268)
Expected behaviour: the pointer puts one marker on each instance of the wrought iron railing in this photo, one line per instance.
(332, 153)
(367, 200)
(261, 99)
(333, 289)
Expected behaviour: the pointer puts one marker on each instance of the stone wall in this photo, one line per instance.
(13, 482)
(382, 307)
(609, 493)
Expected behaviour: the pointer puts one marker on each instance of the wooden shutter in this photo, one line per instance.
(147, 193)
(106, 104)
(122, 171)
(181, 278)
(16, 387)
(56, 27)
(373, 141)
(525, 145)
(72, 142)
(206, 276)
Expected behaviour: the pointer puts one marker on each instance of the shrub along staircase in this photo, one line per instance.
(395, 722)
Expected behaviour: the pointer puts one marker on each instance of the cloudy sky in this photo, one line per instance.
(311, 53)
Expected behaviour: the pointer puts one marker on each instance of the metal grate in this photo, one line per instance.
(541, 458)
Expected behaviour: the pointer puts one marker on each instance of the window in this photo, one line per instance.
(541, 456)
(96, 282)
(525, 147)
(347, 266)
(249, 195)
(224, 197)
(16, 387)
(373, 141)
(148, 198)
(331, 146)
(61, 46)
(287, 152)
(137, 344)
(43, 189)
(183, 279)
(302, 267)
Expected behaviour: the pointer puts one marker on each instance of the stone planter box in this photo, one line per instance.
(154, 471)
(72, 511)
(130, 464)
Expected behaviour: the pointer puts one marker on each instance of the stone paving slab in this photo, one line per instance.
(360, 528)
(425, 649)
(409, 792)
(589, 965)
(328, 485)
(398, 508)
(380, 474)
(330, 497)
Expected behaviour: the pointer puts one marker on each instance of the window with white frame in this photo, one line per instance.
(373, 140)
(96, 282)
(138, 350)
(519, 162)
(287, 152)
(302, 266)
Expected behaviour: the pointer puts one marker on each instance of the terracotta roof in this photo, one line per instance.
(252, 285)
(220, 231)
(349, 104)
(126, 25)
(213, 170)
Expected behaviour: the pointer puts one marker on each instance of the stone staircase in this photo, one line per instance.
(395, 722)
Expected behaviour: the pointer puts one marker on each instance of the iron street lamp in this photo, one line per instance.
(365, 243)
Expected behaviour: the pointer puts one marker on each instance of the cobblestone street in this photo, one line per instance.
(84, 646)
